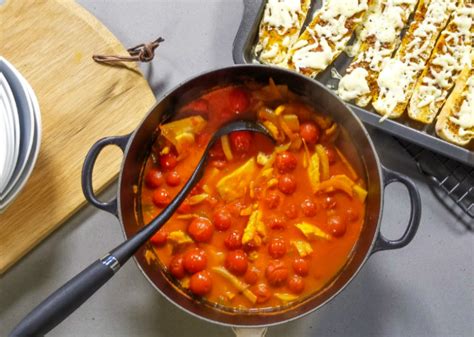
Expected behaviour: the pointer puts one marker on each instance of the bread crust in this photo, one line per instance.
(454, 44)
(445, 128)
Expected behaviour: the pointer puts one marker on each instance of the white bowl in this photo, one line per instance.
(8, 140)
(26, 118)
(16, 119)
(30, 132)
(12, 132)
(4, 148)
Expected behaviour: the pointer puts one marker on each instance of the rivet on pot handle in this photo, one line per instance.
(88, 167)
(383, 243)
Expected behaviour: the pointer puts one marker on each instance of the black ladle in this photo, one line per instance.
(64, 301)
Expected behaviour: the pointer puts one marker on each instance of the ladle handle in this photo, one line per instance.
(64, 301)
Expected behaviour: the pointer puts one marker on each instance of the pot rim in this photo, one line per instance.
(370, 249)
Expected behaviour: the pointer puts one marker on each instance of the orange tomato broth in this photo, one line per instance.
(328, 256)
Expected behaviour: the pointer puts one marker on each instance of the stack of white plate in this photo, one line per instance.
(20, 132)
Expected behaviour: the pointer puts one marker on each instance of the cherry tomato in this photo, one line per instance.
(160, 237)
(309, 132)
(195, 260)
(287, 184)
(329, 202)
(276, 222)
(154, 178)
(161, 197)
(226, 114)
(277, 247)
(331, 153)
(235, 207)
(176, 267)
(272, 199)
(296, 284)
(309, 207)
(199, 105)
(301, 266)
(197, 189)
(233, 240)
(216, 152)
(251, 276)
(239, 100)
(285, 161)
(173, 178)
(185, 207)
(251, 245)
(168, 161)
(352, 214)
(291, 211)
(218, 163)
(263, 292)
(236, 262)
(200, 229)
(201, 283)
(240, 141)
(276, 273)
(222, 219)
(337, 225)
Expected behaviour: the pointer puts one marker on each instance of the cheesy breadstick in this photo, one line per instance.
(451, 54)
(326, 36)
(456, 121)
(377, 41)
(398, 75)
(280, 26)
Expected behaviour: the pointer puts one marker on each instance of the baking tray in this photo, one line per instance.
(246, 39)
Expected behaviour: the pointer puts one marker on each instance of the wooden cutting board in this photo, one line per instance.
(51, 43)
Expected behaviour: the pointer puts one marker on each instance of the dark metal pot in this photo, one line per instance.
(136, 147)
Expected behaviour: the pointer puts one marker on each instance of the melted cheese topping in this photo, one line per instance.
(464, 118)
(270, 53)
(328, 36)
(411, 57)
(394, 78)
(385, 26)
(407, 2)
(282, 14)
(354, 84)
(306, 57)
(346, 8)
(450, 59)
(279, 29)
(387, 20)
(376, 41)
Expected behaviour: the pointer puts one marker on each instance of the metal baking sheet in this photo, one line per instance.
(243, 52)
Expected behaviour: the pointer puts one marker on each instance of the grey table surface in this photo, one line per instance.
(425, 289)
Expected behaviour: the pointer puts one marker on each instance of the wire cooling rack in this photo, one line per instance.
(454, 178)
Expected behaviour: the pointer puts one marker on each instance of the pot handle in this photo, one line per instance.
(382, 243)
(88, 167)
(249, 332)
